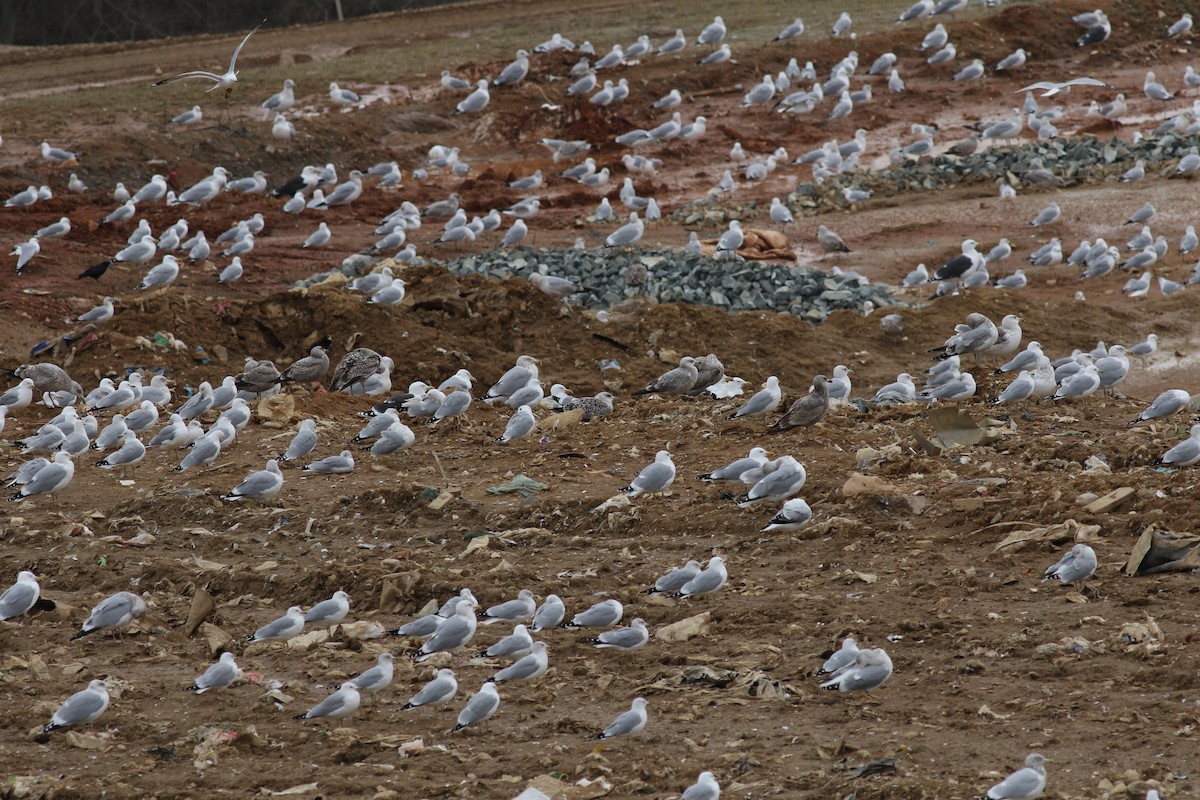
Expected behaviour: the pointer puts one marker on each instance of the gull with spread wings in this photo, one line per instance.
(225, 81)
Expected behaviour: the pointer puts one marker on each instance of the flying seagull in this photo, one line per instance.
(225, 81)
(1050, 88)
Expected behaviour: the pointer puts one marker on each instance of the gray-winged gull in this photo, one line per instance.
(627, 723)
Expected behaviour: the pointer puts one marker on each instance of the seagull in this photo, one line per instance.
(628, 723)
(1050, 88)
(1181, 26)
(476, 100)
(56, 154)
(189, 117)
(1013, 60)
(1025, 783)
(281, 100)
(225, 81)
(713, 33)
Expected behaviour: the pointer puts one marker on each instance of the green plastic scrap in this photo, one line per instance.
(521, 484)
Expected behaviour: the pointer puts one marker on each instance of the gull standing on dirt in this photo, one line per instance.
(629, 722)
(355, 367)
(550, 614)
(1180, 26)
(286, 627)
(830, 242)
(787, 477)
(1184, 454)
(520, 425)
(131, 452)
(734, 470)
(220, 675)
(1076, 565)
(189, 117)
(55, 153)
(303, 442)
(675, 580)
(705, 788)
(841, 659)
(515, 645)
(438, 691)
(342, 97)
(115, 611)
(676, 381)
(1164, 405)
(626, 639)
(1014, 60)
(1155, 90)
(526, 668)
(601, 615)
(1024, 784)
(476, 100)
(329, 612)
(309, 369)
(871, 668)
(225, 81)
(332, 465)
(794, 515)
(482, 705)
(258, 485)
(81, 707)
(25, 251)
(452, 83)
(713, 33)
(707, 581)
(54, 230)
(517, 610)
(763, 402)
(517, 376)
(18, 397)
(806, 411)
(318, 238)
(655, 478)
(515, 72)
(375, 679)
(20, 597)
(282, 100)
(780, 213)
(50, 479)
(453, 633)
(342, 703)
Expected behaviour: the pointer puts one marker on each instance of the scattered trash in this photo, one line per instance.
(520, 484)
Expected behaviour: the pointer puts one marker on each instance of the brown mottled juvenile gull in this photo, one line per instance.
(675, 381)
(599, 406)
(830, 242)
(257, 376)
(309, 369)
(808, 410)
(709, 370)
(48, 377)
(355, 367)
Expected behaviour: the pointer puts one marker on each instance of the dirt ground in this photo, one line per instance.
(990, 663)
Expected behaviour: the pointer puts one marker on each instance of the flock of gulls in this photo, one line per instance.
(117, 425)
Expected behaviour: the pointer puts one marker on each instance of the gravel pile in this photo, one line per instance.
(675, 276)
(1085, 159)
(670, 276)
